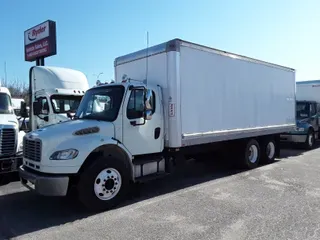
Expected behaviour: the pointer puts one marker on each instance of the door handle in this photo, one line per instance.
(157, 132)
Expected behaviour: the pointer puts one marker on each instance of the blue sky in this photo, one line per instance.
(90, 34)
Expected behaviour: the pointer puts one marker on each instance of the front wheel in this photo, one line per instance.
(104, 184)
(310, 140)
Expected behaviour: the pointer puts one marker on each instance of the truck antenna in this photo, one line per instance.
(147, 57)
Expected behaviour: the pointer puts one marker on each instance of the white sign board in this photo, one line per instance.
(36, 33)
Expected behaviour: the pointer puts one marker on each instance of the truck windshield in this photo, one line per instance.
(302, 110)
(65, 103)
(5, 104)
(102, 103)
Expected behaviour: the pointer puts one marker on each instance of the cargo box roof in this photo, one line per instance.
(174, 45)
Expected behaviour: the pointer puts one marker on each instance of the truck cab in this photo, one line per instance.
(306, 131)
(55, 94)
(119, 119)
(307, 124)
(10, 135)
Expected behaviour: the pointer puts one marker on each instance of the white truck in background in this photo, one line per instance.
(16, 104)
(11, 138)
(307, 115)
(181, 100)
(55, 94)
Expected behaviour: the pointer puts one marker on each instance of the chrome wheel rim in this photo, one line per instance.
(253, 153)
(107, 184)
(310, 139)
(271, 149)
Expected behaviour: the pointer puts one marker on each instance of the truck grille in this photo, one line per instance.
(7, 141)
(32, 149)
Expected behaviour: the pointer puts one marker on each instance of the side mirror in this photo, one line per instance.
(69, 115)
(148, 104)
(36, 108)
(23, 110)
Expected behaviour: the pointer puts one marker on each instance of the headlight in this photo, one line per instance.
(64, 154)
(300, 129)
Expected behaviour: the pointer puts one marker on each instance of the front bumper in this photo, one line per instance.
(296, 138)
(10, 164)
(44, 184)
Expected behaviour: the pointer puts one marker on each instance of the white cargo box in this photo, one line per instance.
(308, 91)
(212, 95)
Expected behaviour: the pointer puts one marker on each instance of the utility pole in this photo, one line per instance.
(98, 75)
(5, 73)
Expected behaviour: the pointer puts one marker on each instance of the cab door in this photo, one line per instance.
(141, 136)
(314, 118)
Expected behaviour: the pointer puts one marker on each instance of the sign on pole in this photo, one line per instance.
(40, 41)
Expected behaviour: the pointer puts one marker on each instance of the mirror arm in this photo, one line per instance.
(42, 118)
(134, 123)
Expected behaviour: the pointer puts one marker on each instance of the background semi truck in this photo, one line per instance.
(182, 100)
(10, 135)
(55, 92)
(307, 114)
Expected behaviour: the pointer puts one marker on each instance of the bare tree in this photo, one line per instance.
(18, 89)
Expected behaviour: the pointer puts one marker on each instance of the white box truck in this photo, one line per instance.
(182, 99)
(307, 115)
(10, 136)
(16, 104)
(55, 94)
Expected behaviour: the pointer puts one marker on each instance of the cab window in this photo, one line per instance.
(44, 106)
(135, 106)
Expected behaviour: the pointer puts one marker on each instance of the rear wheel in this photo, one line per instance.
(251, 154)
(268, 152)
(104, 184)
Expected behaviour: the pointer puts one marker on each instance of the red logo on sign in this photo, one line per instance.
(35, 32)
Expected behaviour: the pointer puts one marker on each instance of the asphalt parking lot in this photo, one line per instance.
(206, 201)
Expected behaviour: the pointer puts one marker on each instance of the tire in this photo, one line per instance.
(310, 140)
(2, 182)
(268, 151)
(104, 184)
(251, 154)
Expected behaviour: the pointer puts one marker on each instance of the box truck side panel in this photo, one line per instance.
(227, 98)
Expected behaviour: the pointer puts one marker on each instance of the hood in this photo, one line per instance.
(9, 119)
(303, 123)
(302, 120)
(62, 117)
(67, 129)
